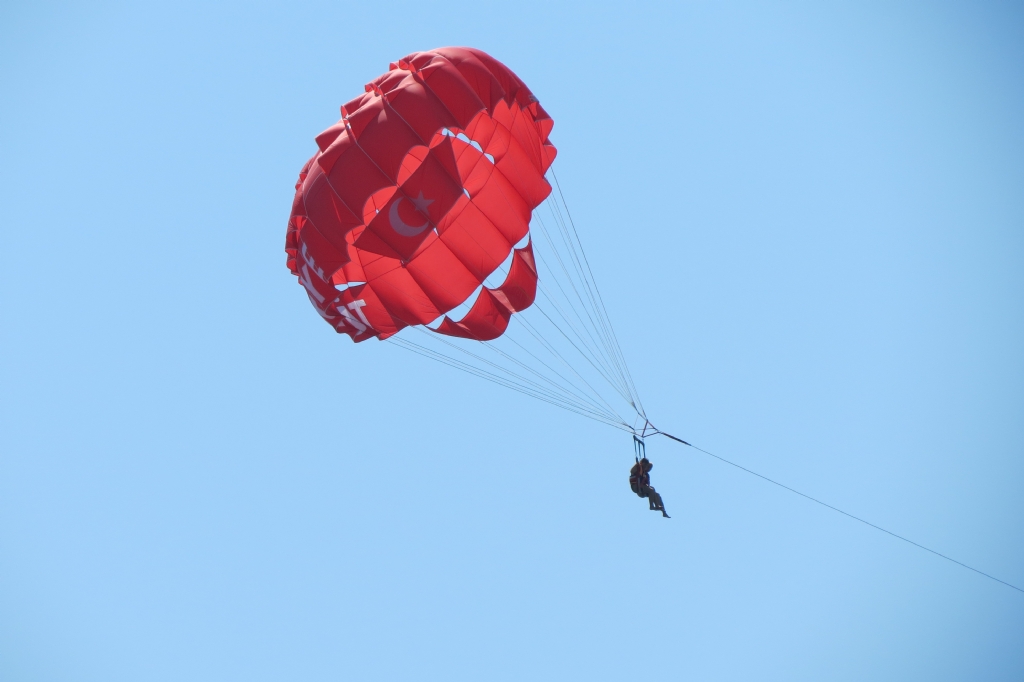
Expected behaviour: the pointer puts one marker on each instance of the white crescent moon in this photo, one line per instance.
(400, 226)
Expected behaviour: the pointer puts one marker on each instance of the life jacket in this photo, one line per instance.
(638, 478)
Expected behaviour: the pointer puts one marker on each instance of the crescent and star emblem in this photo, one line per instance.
(403, 228)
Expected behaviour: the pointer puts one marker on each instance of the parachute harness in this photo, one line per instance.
(639, 453)
(639, 449)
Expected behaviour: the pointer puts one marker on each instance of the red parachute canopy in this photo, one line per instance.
(420, 192)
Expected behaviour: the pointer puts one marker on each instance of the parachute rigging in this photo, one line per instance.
(561, 350)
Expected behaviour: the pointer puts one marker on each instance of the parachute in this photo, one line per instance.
(419, 193)
(419, 202)
(415, 212)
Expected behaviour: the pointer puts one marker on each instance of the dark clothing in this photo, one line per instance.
(640, 483)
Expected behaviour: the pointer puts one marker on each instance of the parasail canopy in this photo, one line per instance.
(415, 212)
(419, 193)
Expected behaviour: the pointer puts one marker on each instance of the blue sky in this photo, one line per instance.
(808, 227)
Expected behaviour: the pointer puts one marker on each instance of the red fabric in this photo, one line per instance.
(486, 320)
(519, 289)
(489, 317)
(398, 218)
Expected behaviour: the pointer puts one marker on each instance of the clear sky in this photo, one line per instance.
(808, 226)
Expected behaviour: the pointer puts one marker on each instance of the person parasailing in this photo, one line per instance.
(640, 479)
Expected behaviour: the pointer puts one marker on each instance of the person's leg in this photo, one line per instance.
(656, 502)
(652, 497)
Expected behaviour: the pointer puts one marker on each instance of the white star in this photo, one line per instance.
(421, 203)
